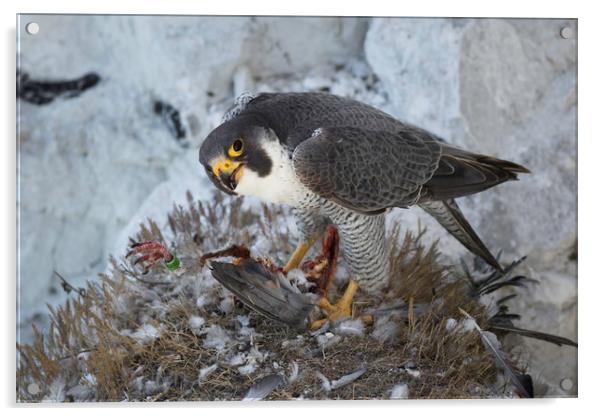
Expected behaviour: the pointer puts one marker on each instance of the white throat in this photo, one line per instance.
(280, 186)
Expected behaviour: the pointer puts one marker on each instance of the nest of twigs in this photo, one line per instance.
(181, 336)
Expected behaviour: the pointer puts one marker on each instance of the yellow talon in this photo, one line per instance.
(341, 309)
(298, 255)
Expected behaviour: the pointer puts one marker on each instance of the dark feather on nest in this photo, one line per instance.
(497, 279)
(522, 382)
(554, 339)
(501, 322)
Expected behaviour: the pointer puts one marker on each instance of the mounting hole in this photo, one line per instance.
(566, 384)
(566, 33)
(32, 28)
(33, 388)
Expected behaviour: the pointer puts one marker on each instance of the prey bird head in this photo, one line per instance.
(233, 148)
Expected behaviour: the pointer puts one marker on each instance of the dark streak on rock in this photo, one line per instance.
(171, 117)
(44, 92)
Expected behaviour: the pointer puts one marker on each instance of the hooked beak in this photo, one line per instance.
(226, 174)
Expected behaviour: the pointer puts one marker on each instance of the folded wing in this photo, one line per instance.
(364, 170)
(462, 173)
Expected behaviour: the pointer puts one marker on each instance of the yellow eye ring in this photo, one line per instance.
(236, 148)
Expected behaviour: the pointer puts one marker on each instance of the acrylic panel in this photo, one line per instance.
(283, 208)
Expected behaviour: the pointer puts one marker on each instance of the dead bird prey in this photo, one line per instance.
(264, 291)
(338, 161)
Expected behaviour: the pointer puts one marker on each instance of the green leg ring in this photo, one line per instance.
(174, 264)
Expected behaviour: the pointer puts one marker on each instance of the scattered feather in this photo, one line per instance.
(216, 337)
(294, 373)
(413, 372)
(196, 322)
(450, 324)
(411, 369)
(491, 342)
(57, 391)
(253, 359)
(385, 330)
(329, 385)
(226, 305)
(81, 393)
(146, 333)
(248, 368)
(262, 388)
(201, 301)
(400, 391)
(238, 359)
(206, 372)
(350, 327)
(467, 325)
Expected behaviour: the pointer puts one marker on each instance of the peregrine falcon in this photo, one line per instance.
(338, 161)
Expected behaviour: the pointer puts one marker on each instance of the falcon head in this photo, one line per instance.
(235, 149)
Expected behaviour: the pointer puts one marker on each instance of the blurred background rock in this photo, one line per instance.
(93, 166)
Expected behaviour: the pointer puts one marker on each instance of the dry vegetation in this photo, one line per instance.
(155, 337)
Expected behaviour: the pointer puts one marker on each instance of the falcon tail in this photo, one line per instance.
(449, 215)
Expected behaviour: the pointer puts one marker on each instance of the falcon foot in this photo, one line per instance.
(151, 253)
(321, 271)
(341, 309)
(297, 256)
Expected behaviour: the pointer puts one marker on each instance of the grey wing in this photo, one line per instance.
(263, 291)
(367, 171)
(462, 173)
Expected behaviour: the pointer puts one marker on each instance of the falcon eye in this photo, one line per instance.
(236, 148)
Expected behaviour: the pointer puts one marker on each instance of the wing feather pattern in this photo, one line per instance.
(364, 170)
(267, 293)
(462, 173)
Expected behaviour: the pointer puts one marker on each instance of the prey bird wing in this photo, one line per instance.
(365, 170)
(267, 293)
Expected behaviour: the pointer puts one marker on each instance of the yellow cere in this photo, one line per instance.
(224, 165)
